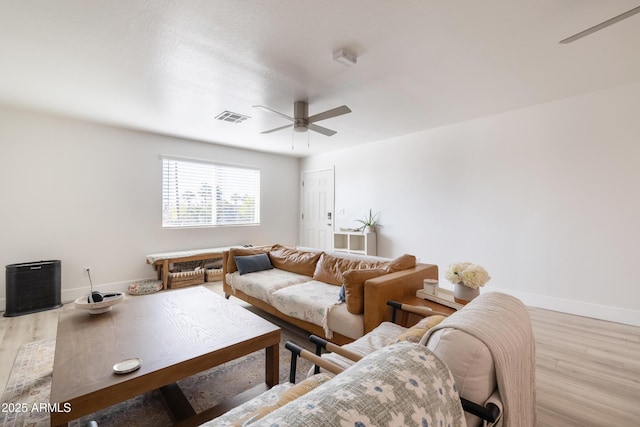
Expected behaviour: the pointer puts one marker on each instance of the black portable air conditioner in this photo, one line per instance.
(32, 287)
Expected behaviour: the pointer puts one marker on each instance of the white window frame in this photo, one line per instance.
(199, 193)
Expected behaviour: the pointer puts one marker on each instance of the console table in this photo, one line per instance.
(161, 261)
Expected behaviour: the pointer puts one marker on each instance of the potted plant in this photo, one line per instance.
(369, 222)
(467, 279)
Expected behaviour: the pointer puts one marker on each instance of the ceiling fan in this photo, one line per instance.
(601, 25)
(303, 122)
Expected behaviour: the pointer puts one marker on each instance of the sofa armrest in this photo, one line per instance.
(225, 257)
(394, 286)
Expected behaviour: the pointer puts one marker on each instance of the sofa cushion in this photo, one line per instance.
(353, 282)
(403, 262)
(252, 263)
(340, 321)
(414, 333)
(243, 415)
(263, 284)
(384, 334)
(329, 268)
(470, 362)
(310, 301)
(294, 260)
(267, 402)
(234, 252)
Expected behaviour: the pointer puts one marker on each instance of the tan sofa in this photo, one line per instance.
(303, 287)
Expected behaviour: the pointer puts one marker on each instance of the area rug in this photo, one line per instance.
(30, 383)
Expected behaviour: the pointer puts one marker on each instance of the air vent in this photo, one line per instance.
(228, 116)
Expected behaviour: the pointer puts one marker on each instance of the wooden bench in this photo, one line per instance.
(161, 261)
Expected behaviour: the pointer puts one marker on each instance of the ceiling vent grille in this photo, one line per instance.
(228, 116)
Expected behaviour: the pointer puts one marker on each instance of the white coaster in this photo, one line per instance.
(127, 366)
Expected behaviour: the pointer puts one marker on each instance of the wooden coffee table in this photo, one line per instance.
(176, 334)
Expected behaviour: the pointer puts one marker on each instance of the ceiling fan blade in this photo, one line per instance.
(277, 129)
(273, 111)
(601, 25)
(334, 112)
(320, 129)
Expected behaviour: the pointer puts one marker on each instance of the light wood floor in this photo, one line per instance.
(587, 370)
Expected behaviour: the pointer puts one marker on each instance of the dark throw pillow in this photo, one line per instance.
(253, 263)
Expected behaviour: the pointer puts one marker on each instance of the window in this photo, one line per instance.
(200, 194)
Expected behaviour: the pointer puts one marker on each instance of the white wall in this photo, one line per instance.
(90, 195)
(545, 198)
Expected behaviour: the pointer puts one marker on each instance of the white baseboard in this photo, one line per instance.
(579, 308)
(70, 295)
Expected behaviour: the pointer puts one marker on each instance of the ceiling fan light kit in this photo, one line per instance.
(300, 115)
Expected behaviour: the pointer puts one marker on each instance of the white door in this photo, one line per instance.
(317, 209)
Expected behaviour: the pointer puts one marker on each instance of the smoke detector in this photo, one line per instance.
(344, 57)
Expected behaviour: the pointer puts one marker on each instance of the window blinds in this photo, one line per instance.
(197, 194)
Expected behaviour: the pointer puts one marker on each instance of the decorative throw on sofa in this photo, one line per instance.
(402, 384)
(502, 323)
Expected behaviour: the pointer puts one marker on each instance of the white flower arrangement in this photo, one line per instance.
(467, 274)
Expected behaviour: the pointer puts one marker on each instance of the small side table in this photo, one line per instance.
(410, 319)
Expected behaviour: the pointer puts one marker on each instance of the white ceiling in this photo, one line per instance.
(171, 66)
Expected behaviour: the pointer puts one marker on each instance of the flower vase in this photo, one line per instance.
(463, 294)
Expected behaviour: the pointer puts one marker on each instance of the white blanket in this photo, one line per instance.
(264, 283)
(311, 301)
